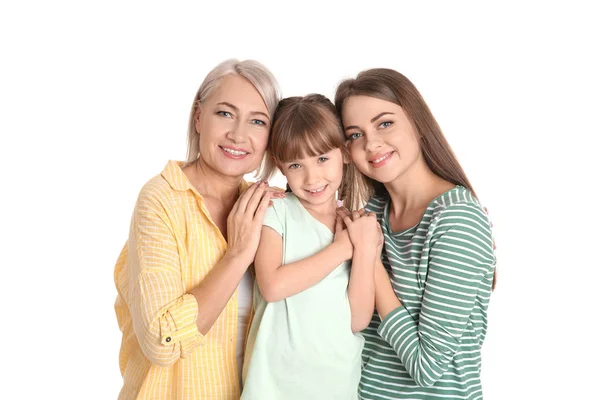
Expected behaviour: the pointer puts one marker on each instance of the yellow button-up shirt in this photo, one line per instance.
(173, 244)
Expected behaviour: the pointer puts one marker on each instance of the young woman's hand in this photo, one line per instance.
(342, 238)
(245, 221)
(363, 228)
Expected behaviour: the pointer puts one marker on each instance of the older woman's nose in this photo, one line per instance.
(238, 132)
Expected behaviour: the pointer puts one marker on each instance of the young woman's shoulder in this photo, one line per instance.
(457, 210)
(458, 200)
(377, 204)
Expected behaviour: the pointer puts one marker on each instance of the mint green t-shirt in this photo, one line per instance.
(303, 347)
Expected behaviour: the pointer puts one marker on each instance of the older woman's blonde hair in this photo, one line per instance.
(255, 73)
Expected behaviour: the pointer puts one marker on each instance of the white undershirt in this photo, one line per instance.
(244, 307)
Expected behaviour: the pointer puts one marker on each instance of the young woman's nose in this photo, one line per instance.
(373, 142)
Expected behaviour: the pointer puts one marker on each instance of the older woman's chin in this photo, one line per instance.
(237, 168)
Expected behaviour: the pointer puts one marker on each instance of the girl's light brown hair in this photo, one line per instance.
(389, 85)
(307, 126)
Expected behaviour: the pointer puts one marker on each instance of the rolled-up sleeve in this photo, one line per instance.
(164, 316)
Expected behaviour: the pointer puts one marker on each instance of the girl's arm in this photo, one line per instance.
(276, 283)
(461, 265)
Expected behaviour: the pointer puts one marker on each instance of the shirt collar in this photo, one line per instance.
(175, 177)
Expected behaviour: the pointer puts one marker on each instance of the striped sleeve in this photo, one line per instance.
(459, 258)
(164, 316)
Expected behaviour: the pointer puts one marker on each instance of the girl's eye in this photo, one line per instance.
(354, 136)
(385, 124)
(294, 166)
(225, 114)
(323, 159)
(258, 122)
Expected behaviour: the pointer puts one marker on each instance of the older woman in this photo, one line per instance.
(184, 288)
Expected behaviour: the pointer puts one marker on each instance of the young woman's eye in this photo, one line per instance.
(293, 166)
(225, 114)
(258, 122)
(385, 124)
(354, 136)
(323, 159)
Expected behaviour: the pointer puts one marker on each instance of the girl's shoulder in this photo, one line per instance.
(284, 207)
(287, 202)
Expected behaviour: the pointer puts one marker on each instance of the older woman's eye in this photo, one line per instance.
(258, 122)
(225, 114)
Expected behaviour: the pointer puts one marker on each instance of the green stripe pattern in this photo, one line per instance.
(442, 271)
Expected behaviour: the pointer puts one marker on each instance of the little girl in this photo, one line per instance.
(309, 303)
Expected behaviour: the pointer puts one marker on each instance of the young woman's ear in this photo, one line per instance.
(346, 157)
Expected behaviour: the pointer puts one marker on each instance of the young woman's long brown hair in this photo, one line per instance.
(389, 85)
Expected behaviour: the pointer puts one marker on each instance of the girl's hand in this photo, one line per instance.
(245, 221)
(363, 228)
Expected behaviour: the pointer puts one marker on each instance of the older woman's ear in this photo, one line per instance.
(197, 117)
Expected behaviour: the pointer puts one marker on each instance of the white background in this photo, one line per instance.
(94, 99)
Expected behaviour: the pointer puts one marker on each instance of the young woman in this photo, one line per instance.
(425, 339)
(184, 289)
(311, 301)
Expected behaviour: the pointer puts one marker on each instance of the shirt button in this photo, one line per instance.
(168, 339)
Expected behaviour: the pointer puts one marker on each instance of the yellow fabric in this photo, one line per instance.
(173, 244)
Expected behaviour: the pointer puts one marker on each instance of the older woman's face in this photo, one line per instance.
(233, 124)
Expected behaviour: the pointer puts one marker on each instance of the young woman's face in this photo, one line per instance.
(315, 180)
(233, 124)
(382, 141)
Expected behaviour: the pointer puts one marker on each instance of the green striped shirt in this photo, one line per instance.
(442, 271)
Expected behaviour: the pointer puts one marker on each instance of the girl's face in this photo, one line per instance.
(315, 180)
(382, 141)
(233, 124)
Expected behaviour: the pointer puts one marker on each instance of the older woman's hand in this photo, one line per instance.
(245, 221)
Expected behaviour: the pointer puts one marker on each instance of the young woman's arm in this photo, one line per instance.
(461, 265)
(365, 234)
(276, 283)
